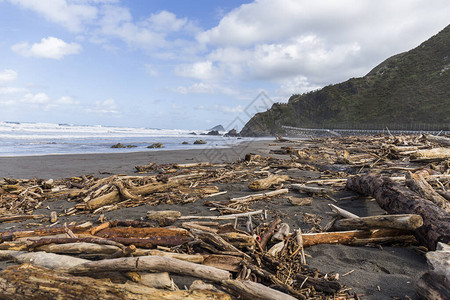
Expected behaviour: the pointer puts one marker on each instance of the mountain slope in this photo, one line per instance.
(408, 88)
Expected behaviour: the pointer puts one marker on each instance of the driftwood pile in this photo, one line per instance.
(243, 251)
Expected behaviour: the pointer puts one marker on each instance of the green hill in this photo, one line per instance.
(407, 89)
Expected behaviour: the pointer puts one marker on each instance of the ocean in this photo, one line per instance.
(21, 138)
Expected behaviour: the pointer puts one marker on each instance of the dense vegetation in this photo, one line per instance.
(406, 89)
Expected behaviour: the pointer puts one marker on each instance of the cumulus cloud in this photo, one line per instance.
(150, 33)
(39, 98)
(7, 76)
(70, 14)
(50, 47)
(302, 45)
(106, 107)
(199, 70)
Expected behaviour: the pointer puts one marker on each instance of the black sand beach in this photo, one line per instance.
(373, 273)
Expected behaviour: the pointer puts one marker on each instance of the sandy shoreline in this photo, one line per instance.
(67, 165)
(375, 273)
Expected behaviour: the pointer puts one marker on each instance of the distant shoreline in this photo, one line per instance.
(68, 165)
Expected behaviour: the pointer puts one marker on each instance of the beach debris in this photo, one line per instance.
(239, 243)
(396, 199)
(266, 183)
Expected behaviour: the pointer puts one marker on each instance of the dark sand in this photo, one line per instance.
(379, 273)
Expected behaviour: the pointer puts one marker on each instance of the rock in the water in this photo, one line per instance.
(192, 133)
(232, 132)
(213, 132)
(199, 142)
(184, 143)
(217, 128)
(131, 146)
(118, 145)
(156, 145)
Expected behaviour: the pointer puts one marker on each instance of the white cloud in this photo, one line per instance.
(50, 47)
(70, 15)
(149, 34)
(10, 90)
(308, 44)
(66, 100)
(7, 76)
(165, 21)
(39, 98)
(200, 70)
(204, 88)
(108, 107)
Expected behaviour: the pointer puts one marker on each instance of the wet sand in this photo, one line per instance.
(376, 273)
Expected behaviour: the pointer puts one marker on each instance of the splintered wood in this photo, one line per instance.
(241, 246)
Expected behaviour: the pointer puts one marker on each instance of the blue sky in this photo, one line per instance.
(191, 64)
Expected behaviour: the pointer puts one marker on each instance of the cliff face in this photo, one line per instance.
(408, 88)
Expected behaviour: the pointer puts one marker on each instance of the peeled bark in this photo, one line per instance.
(402, 222)
(264, 184)
(397, 199)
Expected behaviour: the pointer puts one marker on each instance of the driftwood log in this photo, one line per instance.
(32, 282)
(358, 237)
(438, 139)
(265, 183)
(403, 222)
(397, 199)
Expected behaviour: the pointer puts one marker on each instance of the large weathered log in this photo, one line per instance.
(107, 199)
(265, 183)
(397, 199)
(43, 259)
(79, 248)
(32, 282)
(434, 154)
(152, 264)
(418, 184)
(153, 188)
(145, 232)
(438, 139)
(357, 237)
(403, 222)
(11, 235)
